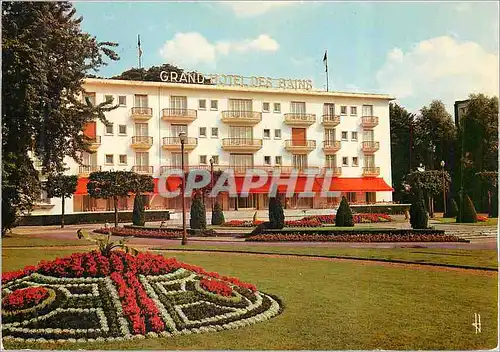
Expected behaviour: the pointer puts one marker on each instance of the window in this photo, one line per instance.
(108, 98)
(214, 104)
(203, 132)
(215, 159)
(345, 161)
(343, 110)
(240, 105)
(91, 96)
(178, 102)
(298, 107)
(354, 136)
(351, 197)
(267, 160)
(367, 110)
(265, 107)
(109, 129)
(331, 160)
(122, 100)
(241, 132)
(140, 101)
(329, 109)
(277, 133)
(344, 135)
(142, 159)
(141, 129)
(176, 129)
(122, 160)
(267, 133)
(369, 161)
(299, 161)
(203, 159)
(215, 132)
(277, 160)
(355, 161)
(109, 159)
(122, 129)
(202, 104)
(329, 134)
(277, 107)
(354, 110)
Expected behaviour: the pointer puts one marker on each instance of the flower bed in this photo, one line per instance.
(89, 297)
(482, 218)
(135, 232)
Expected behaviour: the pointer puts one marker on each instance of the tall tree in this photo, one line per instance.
(152, 74)
(61, 186)
(45, 57)
(426, 184)
(140, 185)
(401, 122)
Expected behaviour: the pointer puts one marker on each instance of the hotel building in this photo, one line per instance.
(236, 127)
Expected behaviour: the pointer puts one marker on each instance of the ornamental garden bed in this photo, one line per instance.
(89, 297)
(141, 233)
(191, 232)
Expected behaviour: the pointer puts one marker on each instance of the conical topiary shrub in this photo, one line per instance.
(198, 219)
(467, 212)
(276, 214)
(138, 218)
(418, 215)
(217, 215)
(451, 208)
(344, 218)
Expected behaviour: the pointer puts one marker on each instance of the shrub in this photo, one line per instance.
(468, 212)
(138, 218)
(217, 215)
(418, 215)
(451, 208)
(276, 215)
(344, 215)
(198, 216)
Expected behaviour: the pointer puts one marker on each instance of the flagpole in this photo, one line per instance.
(139, 51)
(326, 66)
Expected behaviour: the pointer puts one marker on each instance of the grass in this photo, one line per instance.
(17, 240)
(332, 305)
(450, 221)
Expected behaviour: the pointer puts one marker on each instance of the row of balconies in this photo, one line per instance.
(85, 170)
(239, 144)
(247, 118)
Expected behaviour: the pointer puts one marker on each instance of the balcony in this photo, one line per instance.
(300, 146)
(369, 121)
(174, 143)
(241, 118)
(300, 120)
(143, 169)
(331, 120)
(330, 147)
(141, 142)
(241, 144)
(334, 170)
(95, 142)
(141, 113)
(86, 170)
(179, 115)
(371, 171)
(370, 146)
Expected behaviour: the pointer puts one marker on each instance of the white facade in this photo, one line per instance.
(159, 97)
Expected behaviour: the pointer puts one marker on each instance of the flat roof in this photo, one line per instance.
(224, 88)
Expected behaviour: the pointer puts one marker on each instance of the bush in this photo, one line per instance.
(451, 208)
(217, 215)
(276, 214)
(418, 215)
(90, 218)
(198, 219)
(344, 215)
(468, 212)
(138, 218)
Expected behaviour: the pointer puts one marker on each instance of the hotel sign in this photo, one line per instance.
(236, 80)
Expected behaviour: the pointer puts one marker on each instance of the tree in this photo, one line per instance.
(140, 184)
(451, 208)
(111, 185)
(344, 217)
(152, 74)
(45, 57)
(467, 212)
(276, 214)
(418, 215)
(198, 218)
(217, 215)
(138, 213)
(490, 179)
(430, 183)
(61, 186)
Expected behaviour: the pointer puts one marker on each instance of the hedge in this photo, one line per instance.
(91, 218)
(191, 232)
(393, 209)
(353, 230)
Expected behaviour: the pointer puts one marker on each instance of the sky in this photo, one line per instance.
(414, 51)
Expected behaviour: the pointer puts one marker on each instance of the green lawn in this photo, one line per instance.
(333, 305)
(17, 240)
(488, 222)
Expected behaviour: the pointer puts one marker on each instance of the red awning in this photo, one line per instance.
(300, 185)
(364, 184)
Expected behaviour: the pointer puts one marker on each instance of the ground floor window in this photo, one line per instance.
(371, 197)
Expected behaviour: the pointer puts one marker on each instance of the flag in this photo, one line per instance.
(325, 61)
(139, 45)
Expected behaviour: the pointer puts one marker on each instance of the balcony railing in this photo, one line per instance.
(241, 117)
(174, 143)
(95, 142)
(331, 146)
(142, 141)
(85, 170)
(141, 113)
(249, 144)
(331, 120)
(370, 146)
(143, 169)
(334, 170)
(371, 171)
(179, 115)
(300, 146)
(369, 121)
(300, 119)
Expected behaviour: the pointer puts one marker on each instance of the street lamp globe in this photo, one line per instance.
(442, 163)
(182, 137)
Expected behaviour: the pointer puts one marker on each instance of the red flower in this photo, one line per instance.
(24, 298)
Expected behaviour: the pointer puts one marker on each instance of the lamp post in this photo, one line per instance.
(182, 138)
(444, 189)
(212, 181)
